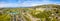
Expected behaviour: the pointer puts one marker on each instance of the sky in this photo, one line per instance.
(26, 3)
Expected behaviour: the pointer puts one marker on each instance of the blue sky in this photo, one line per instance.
(26, 3)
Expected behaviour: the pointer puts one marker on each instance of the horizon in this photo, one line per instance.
(30, 6)
(26, 3)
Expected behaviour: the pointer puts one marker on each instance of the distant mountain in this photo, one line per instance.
(47, 6)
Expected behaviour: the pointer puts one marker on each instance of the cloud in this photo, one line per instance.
(26, 3)
(8, 5)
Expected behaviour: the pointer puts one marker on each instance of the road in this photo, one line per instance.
(16, 18)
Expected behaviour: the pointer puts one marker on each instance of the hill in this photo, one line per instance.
(34, 13)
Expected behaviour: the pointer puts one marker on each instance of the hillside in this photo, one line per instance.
(49, 12)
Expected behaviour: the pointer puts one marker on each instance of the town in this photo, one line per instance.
(48, 12)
